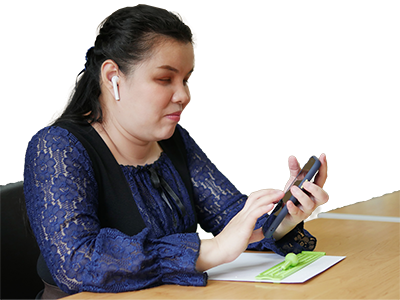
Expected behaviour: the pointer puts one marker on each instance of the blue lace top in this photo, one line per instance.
(61, 200)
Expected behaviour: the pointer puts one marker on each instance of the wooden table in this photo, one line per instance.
(385, 208)
(371, 269)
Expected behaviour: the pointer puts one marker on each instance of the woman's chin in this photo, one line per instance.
(167, 132)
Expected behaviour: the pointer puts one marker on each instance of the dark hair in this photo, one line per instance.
(127, 37)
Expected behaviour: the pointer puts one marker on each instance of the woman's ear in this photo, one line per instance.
(110, 70)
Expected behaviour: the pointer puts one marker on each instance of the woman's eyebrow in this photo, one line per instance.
(170, 68)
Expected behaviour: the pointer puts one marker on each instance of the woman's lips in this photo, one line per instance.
(176, 116)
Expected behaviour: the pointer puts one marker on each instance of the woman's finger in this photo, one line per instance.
(307, 204)
(320, 195)
(322, 175)
(294, 169)
(269, 195)
(294, 166)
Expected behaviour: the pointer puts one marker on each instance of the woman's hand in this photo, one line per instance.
(307, 204)
(239, 232)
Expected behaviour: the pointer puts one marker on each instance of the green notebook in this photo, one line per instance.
(276, 273)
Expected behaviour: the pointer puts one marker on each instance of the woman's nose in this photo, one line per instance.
(182, 95)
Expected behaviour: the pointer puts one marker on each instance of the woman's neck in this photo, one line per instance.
(126, 149)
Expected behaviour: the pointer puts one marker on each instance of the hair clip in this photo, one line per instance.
(85, 66)
(86, 58)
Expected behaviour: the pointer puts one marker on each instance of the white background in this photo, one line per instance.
(362, 37)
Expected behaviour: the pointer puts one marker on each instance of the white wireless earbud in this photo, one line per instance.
(115, 87)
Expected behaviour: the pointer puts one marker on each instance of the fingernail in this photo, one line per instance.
(307, 184)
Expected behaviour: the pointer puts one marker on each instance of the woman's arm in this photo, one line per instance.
(239, 232)
(224, 211)
(61, 199)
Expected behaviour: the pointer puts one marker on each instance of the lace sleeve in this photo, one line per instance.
(61, 199)
(295, 241)
(218, 201)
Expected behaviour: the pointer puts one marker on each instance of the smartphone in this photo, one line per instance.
(308, 172)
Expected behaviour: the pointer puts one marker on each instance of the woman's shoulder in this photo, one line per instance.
(51, 130)
(53, 138)
(54, 146)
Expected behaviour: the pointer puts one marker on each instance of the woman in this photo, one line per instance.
(114, 188)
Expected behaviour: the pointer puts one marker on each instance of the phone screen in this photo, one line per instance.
(302, 174)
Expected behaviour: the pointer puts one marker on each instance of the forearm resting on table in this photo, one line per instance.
(211, 255)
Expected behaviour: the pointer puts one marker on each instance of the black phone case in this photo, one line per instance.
(268, 232)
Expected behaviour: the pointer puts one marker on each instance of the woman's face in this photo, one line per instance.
(153, 96)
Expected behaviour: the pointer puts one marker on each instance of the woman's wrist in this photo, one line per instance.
(204, 260)
(210, 255)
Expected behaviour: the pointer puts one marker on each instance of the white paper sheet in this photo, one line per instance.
(248, 265)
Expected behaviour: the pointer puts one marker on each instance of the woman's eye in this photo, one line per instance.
(169, 80)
